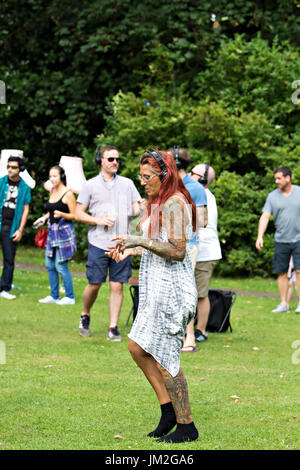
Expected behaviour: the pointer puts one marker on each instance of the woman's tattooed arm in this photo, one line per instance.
(173, 222)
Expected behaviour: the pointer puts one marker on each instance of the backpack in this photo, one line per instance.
(221, 302)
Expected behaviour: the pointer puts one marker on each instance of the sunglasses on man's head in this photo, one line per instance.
(111, 159)
(13, 167)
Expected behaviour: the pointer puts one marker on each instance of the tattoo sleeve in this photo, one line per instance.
(173, 221)
(202, 216)
(137, 251)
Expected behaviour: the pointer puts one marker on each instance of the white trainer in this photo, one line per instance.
(7, 295)
(48, 300)
(65, 301)
(281, 308)
(298, 308)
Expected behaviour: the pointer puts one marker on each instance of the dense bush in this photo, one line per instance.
(234, 121)
(62, 59)
(168, 73)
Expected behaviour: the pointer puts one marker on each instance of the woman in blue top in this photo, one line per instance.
(61, 242)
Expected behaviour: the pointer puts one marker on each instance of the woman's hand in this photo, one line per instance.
(126, 241)
(57, 214)
(38, 222)
(116, 255)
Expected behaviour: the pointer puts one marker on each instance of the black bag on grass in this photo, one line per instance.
(221, 302)
(134, 292)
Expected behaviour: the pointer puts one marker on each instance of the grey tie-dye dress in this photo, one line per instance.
(167, 302)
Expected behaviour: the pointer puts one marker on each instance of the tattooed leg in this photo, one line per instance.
(178, 392)
(148, 365)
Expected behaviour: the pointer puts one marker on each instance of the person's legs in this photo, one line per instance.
(283, 284)
(296, 260)
(189, 340)
(298, 289)
(52, 276)
(63, 270)
(203, 274)
(172, 394)
(298, 282)
(203, 309)
(290, 292)
(118, 274)
(178, 391)
(89, 296)
(280, 265)
(148, 365)
(9, 252)
(96, 272)
(115, 303)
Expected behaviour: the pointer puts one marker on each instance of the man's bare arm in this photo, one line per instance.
(262, 227)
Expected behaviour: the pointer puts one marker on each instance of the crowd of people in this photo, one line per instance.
(177, 239)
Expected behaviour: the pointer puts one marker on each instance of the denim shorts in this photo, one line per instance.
(98, 264)
(282, 255)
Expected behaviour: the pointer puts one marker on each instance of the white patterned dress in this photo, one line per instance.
(167, 302)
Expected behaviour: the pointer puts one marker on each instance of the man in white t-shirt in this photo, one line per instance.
(209, 253)
(111, 200)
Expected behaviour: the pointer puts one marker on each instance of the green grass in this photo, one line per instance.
(62, 391)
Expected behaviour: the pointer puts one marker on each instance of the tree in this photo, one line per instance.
(62, 60)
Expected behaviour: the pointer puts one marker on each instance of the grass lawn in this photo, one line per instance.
(62, 391)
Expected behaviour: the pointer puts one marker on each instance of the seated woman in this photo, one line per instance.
(167, 291)
(61, 242)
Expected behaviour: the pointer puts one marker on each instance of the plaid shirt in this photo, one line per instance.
(61, 235)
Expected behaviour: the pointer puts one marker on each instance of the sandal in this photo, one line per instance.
(189, 349)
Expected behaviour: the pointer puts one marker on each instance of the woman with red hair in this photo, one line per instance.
(167, 292)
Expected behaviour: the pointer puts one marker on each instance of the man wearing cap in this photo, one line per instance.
(15, 197)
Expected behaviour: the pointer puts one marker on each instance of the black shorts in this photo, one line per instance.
(282, 255)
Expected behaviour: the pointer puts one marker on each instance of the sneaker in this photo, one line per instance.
(48, 300)
(281, 308)
(84, 326)
(113, 334)
(7, 295)
(65, 301)
(298, 308)
(200, 336)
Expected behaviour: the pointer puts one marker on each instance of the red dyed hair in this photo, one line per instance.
(171, 184)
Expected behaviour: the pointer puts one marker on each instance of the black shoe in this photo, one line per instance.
(84, 326)
(200, 336)
(113, 334)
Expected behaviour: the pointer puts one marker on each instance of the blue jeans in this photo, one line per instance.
(54, 269)
(9, 252)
